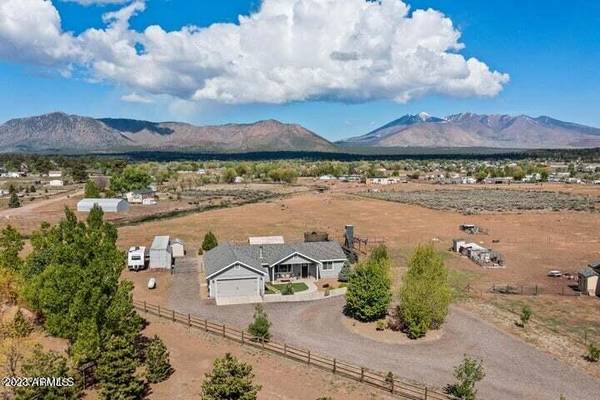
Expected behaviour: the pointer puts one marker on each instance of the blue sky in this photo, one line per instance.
(550, 49)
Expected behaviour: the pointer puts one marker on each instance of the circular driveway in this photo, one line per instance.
(514, 369)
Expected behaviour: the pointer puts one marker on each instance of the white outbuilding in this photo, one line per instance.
(107, 205)
(177, 248)
(161, 256)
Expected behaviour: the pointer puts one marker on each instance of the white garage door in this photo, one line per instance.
(237, 287)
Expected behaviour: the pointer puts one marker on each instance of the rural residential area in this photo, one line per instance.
(245, 200)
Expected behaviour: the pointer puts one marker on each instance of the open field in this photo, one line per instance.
(29, 217)
(474, 201)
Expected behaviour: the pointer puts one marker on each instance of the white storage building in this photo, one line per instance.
(161, 256)
(178, 248)
(107, 205)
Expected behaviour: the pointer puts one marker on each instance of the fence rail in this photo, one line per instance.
(386, 382)
(535, 290)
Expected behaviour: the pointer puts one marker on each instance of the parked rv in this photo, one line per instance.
(136, 258)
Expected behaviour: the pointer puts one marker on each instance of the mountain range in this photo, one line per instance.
(62, 133)
(477, 130)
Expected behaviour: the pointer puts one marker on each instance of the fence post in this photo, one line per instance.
(285, 349)
(362, 374)
(425, 392)
(334, 365)
(392, 382)
(536, 290)
(173, 315)
(206, 325)
(224, 330)
(308, 359)
(145, 307)
(189, 320)
(242, 337)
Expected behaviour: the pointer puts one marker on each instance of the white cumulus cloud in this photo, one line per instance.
(288, 50)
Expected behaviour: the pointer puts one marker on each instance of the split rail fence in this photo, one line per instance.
(383, 381)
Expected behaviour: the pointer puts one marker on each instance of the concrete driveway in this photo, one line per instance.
(514, 370)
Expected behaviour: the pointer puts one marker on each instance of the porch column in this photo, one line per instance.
(317, 266)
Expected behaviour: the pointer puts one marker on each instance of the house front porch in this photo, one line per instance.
(283, 273)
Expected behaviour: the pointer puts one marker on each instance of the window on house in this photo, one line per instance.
(327, 265)
(284, 268)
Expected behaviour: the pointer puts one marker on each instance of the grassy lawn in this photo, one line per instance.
(297, 286)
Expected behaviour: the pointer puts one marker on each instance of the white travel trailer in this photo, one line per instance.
(136, 258)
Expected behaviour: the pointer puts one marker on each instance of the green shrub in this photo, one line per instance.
(21, 325)
(593, 354)
(259, 328)
(381, 325)
(369, 290)
(467, 374)
(525, 315)
(287, 290)
(230, 379)
(424, 294)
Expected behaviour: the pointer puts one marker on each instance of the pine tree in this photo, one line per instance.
(210, 241)
(91, 189)
(116, 371)
(87, 345)
(48, 364)
(21, 326)
(158, 367)
(259, 328)
(230, 379)
(14, 201)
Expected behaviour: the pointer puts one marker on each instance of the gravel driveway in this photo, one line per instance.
(514, 370)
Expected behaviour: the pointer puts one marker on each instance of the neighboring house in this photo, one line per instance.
(327, 178)
(161, 256)
(138, 196)
(383, 180)
(177, 248)
(54, 174)
(56, 182)
(242, 270)
(107, 205)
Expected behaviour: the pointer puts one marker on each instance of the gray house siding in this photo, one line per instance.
(237, 280)
(333, 273)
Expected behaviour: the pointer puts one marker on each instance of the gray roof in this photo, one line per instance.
(227, 254)
(160, 243)
(587, 272)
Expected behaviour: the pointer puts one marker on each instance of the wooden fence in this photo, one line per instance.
(533, 290)
(386, 382)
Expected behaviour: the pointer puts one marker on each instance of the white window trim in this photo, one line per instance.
(328, 266)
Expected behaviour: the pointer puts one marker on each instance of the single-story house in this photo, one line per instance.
(54, 174)
(234, 270)
(107, 205)
(589, 281)
(177, 248)
(138, 196)
(161, 256)
(56, 182)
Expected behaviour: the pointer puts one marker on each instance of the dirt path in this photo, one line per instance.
(14, 212)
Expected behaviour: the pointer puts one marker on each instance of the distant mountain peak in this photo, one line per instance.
(59, 132)
(479, 130)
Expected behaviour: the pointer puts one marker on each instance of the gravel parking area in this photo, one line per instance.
(514, 370)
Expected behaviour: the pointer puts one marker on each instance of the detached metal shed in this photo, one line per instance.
(160, 253)
(107, 205)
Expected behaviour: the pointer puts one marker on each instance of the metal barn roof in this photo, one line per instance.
(160, 243)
